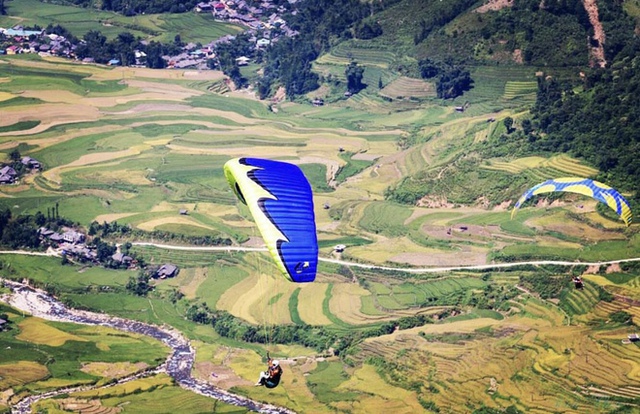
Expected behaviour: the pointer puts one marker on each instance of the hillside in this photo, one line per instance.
(401, 177)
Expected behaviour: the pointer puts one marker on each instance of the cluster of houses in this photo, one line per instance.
(264, 23)
(71, 243)
(265, 16)
(35, 41)
(8, 174)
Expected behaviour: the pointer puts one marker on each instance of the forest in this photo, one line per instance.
(600, 124)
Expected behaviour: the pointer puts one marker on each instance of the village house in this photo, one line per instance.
(31, 163)
(166, 270)
(56, 238)
(8, 175)
(45, 232)
(13, 50)
(122, 258)
(242, 61)
(72, 236)
(263, 42)
(204, 7)
(80, 251)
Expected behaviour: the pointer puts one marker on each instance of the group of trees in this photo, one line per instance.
(288, 62)
(95, 45)
(600, 125)
(119, 231)
(451, 80)
(22, 231)
(317, 337)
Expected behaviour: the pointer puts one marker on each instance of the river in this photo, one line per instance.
(178, 365)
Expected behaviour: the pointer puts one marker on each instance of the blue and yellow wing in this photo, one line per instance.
(280, 200)
(584, 186)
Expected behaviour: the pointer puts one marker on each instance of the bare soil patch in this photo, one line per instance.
(517, 56)
(597, 52)
(434, 202)
(219, 375)
(614, 268)
(494, 5)
(455, 258)
(461, 231)
(112, 217)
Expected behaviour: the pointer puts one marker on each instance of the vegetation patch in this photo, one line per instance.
(21, 372)
(40, 332)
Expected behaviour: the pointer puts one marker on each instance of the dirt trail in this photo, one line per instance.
(597, 52)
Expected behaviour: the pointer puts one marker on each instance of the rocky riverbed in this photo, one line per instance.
(178, 365)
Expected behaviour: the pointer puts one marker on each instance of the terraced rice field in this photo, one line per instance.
(357, 51)
(541, 169)
(524, 91)
(404, 87)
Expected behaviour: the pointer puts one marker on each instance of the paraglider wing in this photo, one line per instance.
(585, 186)
(280, 200)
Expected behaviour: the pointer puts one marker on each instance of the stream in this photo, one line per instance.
(178, 365)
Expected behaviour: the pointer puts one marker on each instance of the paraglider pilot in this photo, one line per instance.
(271, 377)
(577, 282)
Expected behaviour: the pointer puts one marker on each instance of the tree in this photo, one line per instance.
(508, 123)
(367, 29)
(15, 155)
(453, 82)
(621, 317)
(354, 75)
(429, 68)
(154, 56)
(40, 219)
(124, 47)
(139, 285)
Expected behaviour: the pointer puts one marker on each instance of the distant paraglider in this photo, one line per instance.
(280, 200)
(585, 186)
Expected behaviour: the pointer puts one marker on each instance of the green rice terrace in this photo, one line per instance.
(145, 149)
